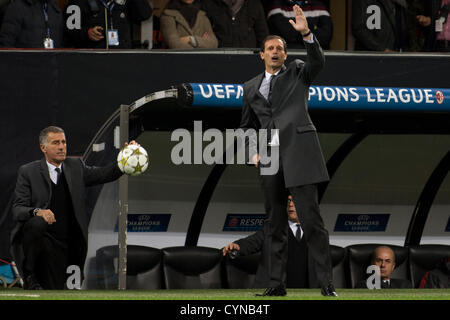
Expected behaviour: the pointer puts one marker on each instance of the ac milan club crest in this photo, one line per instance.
(439, 97)
(233, 222)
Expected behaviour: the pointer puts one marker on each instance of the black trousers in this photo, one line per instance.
(275, 245)
(44, 256)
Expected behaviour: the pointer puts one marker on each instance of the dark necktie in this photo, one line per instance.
(271, 85)
(58, 174)
(385, 284)
(298, 233)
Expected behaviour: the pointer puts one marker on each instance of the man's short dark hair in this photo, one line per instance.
(270, 37)
(43, 136)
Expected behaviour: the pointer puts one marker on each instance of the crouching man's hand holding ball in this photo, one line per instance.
(132, 159)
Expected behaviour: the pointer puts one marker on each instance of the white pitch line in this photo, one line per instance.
(19, 295)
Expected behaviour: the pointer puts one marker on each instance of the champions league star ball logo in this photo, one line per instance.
(439, 97)
(132, 160)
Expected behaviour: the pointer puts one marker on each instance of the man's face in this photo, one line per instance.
(291, 211)
(55, 149)
(273, 55)
(385, 260)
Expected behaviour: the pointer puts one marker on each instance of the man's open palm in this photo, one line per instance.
(300, 24)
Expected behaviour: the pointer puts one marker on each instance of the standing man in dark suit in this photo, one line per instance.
(297, 262)
(49, 209)
(277, 99)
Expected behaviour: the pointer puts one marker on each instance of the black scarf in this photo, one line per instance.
(188, 11)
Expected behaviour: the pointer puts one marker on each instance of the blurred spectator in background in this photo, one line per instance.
(438, 278)
(32, 24)
(437, 23)
(380, 25)
(185, 26)
(106, 24)
(317, 15)
(62, 4)
(416, 32)
(384, 258)
(3, 6)
(237, 23)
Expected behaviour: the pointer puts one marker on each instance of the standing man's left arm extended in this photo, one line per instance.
(315, 60)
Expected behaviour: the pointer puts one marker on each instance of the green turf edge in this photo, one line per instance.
(222, 294)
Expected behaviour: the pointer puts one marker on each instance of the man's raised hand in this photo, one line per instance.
(300, 24)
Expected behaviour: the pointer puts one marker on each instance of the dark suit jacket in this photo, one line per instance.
(33, 190)
(394, 284)
(287, 110)
(297, 263)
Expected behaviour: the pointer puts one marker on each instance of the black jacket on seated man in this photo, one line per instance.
(117, 15)
(388, 284)
(24, 24)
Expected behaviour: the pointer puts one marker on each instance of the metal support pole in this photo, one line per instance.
(123, 203)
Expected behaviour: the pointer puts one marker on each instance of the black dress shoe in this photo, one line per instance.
(273, 291)
(329, 291)
(31, 283)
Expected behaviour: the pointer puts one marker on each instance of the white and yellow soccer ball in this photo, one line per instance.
(132, 160)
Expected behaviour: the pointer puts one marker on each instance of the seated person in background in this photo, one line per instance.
(380, 25)
(106, 24)
(384, 258)
(319, 21)
(237, 23)
(32, 24)
(438, 278)
(185, 26)
(436, 21)
(297, 264)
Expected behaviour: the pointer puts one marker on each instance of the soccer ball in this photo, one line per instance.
(132, 160)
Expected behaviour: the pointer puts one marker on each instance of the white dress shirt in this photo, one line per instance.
(293, 226)
(53, 173)
(264, 90)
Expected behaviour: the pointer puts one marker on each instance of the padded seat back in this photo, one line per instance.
(240, 272)
(144, 269)
(338, 256)
(424, 258)
(192, 267)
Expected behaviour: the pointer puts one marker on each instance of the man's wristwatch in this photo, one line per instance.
(35, 211)
(193, 41)
(306, 34)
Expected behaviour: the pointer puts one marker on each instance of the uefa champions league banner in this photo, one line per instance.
(336, 98)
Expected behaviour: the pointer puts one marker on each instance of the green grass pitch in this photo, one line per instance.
(223, 294)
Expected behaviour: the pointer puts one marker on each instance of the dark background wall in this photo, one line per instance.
(79, 91)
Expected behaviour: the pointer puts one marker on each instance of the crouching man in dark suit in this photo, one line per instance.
(50, 214)
(297, 262)
(276, 101)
